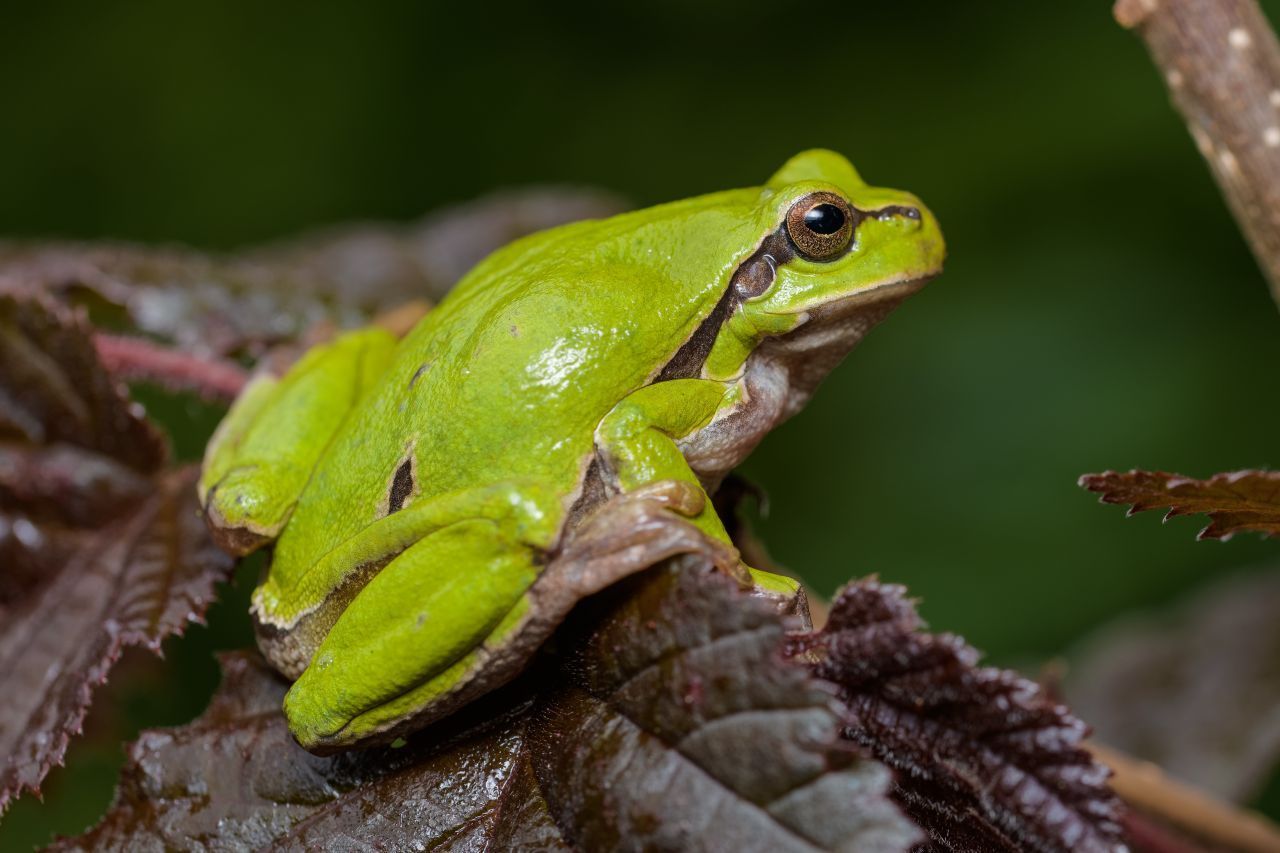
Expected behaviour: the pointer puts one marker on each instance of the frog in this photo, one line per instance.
(413, 489)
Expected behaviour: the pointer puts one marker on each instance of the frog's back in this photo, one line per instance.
(508, 378)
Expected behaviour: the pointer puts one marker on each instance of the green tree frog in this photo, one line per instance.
(414, 489)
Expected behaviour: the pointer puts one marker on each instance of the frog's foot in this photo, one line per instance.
(244, 513)
(679, 496)
(459, 614)
(784, 592)
(688, 501)
(412, 635)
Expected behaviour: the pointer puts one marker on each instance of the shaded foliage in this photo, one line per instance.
(1235, 502)
(672, 722)
(102, 546)
(1193, 687)
(54, 391)
(985, 760)
(245, 302)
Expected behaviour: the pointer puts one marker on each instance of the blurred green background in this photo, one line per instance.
(1099, 308)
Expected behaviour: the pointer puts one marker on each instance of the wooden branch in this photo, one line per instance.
(136, 359)
(1148, 791)
(1221, 62)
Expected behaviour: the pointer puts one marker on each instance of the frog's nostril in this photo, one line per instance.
(894, 211)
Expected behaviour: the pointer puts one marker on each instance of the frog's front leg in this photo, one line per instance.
(638, 442)
(263, 452)
(638, 439)
(429, 620)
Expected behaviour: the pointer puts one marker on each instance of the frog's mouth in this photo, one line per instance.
(865, 302)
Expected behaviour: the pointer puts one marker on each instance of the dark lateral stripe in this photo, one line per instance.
(753, 277)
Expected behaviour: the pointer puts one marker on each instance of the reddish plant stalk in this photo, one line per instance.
(135, 359)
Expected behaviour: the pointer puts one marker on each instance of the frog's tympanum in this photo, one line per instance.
(414, 489)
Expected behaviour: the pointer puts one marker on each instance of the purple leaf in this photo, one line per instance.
(668, 720)
(985, 760)
(101, 547)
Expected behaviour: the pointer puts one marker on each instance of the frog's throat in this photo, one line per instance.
(824, 335)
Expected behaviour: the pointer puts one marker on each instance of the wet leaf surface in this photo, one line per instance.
(102, 548)
(1235, 502)
(985, 760)
(699, 735)
(54, 391)
(667, 721)
(1193, 687)
(242, 303)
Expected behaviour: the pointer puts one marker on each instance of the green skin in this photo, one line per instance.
(415, 488)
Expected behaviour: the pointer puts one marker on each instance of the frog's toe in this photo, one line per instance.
(242, 514)
(311, 717)
(679, 496)
(238, 540)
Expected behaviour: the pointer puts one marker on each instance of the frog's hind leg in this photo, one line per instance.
(263, 452)
(420, 628)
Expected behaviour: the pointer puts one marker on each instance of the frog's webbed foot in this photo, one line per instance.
(446, 588)
(688, 501)
(679, 496)
(685, 499)
(421, 629)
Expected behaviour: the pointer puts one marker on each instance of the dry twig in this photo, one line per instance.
(1148, 791)
(1221, 62)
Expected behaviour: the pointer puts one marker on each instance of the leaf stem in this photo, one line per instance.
(1147, 790)
(136, 359)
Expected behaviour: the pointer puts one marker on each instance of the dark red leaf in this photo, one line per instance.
(135, 580)
(53, 389)
(235, 779)
(680, 727)
(67, 484)
(985, 761)
(1235, 502)
(670, 721)
(101, 548)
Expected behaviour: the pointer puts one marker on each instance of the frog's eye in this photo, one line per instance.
(821, 225)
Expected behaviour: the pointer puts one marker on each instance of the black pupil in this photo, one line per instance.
(824, 219)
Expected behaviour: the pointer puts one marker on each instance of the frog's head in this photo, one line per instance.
(836, 257)
(840, 244)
